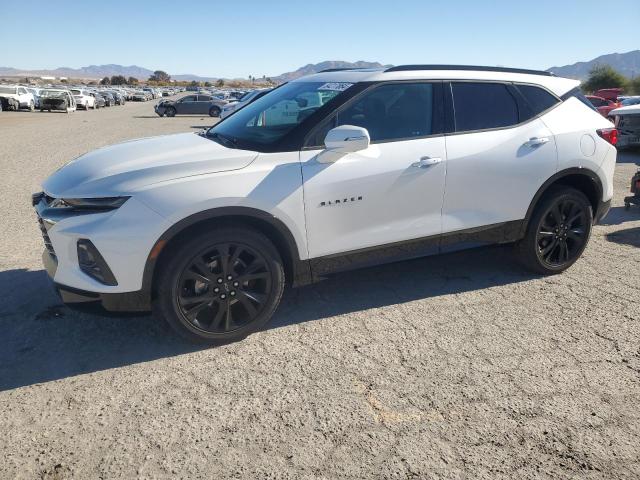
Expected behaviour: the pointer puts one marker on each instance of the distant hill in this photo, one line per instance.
(318, 67)
(628, 64)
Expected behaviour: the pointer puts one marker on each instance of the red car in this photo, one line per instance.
(609, 93)
(603, 105)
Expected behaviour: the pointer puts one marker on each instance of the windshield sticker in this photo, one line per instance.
(335, 86)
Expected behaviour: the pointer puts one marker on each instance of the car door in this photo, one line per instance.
(498, 156)
(186, 104)
(202, 104)
(23, 96)
(390, 192)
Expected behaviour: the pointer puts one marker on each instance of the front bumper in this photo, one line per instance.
(113, 302)
(123, 237)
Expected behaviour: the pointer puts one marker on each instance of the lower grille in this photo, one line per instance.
(45, 236)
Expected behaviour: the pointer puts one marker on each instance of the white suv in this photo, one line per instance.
(21, 95)
(334, 171)
(83, 98)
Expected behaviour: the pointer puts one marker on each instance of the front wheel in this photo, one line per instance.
(220, 286)
(170, 112)
(32, 106)
(558, 231)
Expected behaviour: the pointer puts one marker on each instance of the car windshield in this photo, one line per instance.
(268, 119)
(7, 89)
(76, 92)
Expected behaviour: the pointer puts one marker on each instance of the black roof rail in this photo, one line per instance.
(407, 68)
(372, 69)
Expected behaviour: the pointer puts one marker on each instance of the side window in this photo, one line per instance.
(190, 98)
(395, 111)
(204, 98)
(480, 106)
(596, 102)
(537, 101)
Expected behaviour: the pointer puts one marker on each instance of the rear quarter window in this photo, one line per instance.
(537, 100)
(577, 93)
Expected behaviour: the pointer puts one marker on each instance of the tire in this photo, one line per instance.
(170, 112)
(214, 112)
(32, 106)
(204, 297)
(558, 231)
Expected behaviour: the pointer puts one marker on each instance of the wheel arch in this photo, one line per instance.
(583, 179)
(297, 271)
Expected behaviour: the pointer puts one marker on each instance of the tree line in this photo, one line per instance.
(605, 76)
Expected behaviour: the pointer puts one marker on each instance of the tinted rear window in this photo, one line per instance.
(479, 106)
(538, 100)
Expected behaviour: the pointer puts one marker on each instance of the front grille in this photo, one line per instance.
(45, 236)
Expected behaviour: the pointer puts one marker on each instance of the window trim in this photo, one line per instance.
(439, 104)
(512, 88)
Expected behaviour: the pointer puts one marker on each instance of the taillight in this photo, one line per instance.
(609, 134)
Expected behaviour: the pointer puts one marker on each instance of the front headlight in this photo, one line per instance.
(104, 203)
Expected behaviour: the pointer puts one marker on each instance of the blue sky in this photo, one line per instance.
(237, 39)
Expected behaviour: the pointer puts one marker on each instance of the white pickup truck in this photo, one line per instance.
(20, 94)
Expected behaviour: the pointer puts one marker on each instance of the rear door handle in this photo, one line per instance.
(426, 162)
(536, 141)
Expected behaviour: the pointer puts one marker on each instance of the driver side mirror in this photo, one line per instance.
(347, 139)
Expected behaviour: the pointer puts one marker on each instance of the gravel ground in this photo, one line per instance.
(460, 366)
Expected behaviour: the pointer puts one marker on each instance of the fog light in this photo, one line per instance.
(92, 263)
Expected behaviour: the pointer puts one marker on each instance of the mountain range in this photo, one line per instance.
(627, 64)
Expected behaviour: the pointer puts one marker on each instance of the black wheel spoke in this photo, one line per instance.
(192, 312)
(253, 276)
(246, 302)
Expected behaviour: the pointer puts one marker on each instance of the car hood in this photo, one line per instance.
(130, 166)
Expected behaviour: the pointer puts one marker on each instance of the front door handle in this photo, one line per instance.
(426, 162)
(536, 141)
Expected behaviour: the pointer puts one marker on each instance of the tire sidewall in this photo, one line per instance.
(530, 241)
(165, 304)
(214, 112)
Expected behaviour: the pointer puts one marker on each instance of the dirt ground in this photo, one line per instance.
(460, 366)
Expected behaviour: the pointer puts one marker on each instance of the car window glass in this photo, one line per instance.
(479, 106)
(538, 100)
(392, 112)
(204, 98)
(190, 98)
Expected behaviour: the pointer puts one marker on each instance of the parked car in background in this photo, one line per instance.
(628, 101)
(9, 103)
(627, 121)
(36, 95)
(99, 99)
(108, 98)
(191, 105)
(139, 96)
(21, 95)
(603, 105)
(247, 207)
(57, 99)
(245, 100)
(609, 93)
(83, 98)
(118, 97)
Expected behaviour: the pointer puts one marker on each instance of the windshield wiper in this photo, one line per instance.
(224, 140)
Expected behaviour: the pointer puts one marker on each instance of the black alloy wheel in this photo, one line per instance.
(224, 287)
(228, 289)
(558, 231)
(170, 112)
(563, 232)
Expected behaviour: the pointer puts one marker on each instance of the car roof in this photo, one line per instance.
(628, 110)
(557, 85)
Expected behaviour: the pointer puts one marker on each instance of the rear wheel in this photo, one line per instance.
(558, 231)
(32, 106)
(220, 286)
(214, 112)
